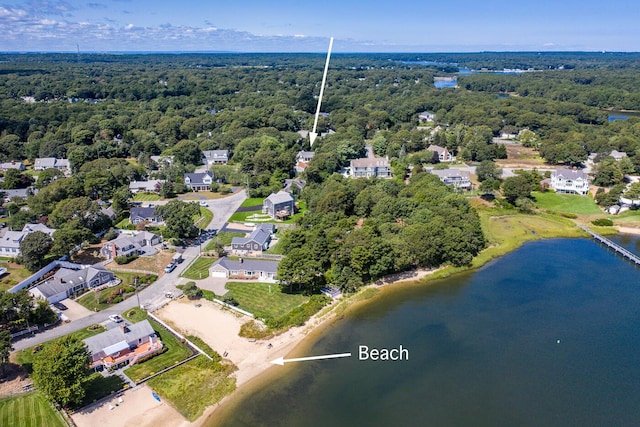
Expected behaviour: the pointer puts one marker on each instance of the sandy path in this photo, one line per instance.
(629, 230)
(138, 408)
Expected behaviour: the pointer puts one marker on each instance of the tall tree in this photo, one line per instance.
(5, 349)
(60, 369)
(34, 248)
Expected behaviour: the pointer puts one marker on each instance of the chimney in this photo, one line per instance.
(124, 329)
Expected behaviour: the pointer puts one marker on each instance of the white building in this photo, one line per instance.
(572, 181)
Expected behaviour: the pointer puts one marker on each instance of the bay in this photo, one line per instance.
(546, 335)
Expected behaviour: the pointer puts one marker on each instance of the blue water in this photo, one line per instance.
(545, 336)
(440, 84)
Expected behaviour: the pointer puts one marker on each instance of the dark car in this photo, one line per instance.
(60, 306)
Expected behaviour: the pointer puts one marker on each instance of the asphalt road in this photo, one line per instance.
(154, 294)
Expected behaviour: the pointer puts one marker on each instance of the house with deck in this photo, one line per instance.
(442, 154)
(370, 167)
(125, 344)
(44, 163)
(280, 205)
(140, 243)
(144, 214)
(572, 181)
(454, 177)
(150, 186)
(245, 269)
(257, 241)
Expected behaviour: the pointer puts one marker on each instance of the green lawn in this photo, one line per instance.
(225, 237)
(199, 269)
(572, 203)
(29, 410)
(264, 299)
(242, 216)
(175, 353)
(194, 386)
(14, 275)
(97, 301)
(630, 216)
(146, 197)
(253, 201)
(205, 218)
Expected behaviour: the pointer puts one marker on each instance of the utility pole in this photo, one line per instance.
(135, 285)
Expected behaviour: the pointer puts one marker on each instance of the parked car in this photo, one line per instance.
(204, 204)
(60, 306)
(115, 318)
(169, 268)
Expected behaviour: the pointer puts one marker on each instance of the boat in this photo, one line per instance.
(155, 396)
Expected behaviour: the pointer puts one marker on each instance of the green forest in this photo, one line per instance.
(108, 114)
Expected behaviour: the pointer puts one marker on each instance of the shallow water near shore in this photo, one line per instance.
(546, 335)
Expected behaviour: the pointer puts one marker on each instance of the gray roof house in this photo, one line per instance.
(125, 245)
(248, 269)
(302, 160)
(68, 281)
(10, 242)
(162, 160)
(200, 181)
(12, 165)
(426, 116)
(279, 205)
(30, 228)
(44, 163)
(22, 193)
(150, 186)
(143, 214)
(573, 181)
(257, 241)
(441, 153)
(459, 179)
(123, 345)
(368, 167)
(215, 157)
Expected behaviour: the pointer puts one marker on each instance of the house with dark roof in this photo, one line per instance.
(279, 205)
(140, 243)
(70, 280)
(215, 157)
(573, 181)
(257, 241)
(144, 214)
(123, 345)
(441, 153)
(199, 181)
(246, 269)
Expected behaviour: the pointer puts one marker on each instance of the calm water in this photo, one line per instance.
(484, 350)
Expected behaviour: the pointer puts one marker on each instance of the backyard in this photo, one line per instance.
(15, 274)
(199, 269)
(29, 410)
(572, 203)
(105, 298)
(264, 299)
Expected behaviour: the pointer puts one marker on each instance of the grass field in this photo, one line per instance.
(225, 237)
(195, 385)
(264, 299)
(15, 274)
(29, 410)
(253, 201)
(244, 216)
(627, 217)
(199, 269)
(175, 353)
(573, 203)
(146, 197)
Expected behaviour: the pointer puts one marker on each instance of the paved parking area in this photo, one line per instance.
(74, 310)
(215, 284)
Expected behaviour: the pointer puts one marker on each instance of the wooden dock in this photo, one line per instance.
(614, 246)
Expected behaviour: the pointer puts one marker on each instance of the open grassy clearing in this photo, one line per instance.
(29, 410)
(199, 269)
(264, 299)
(194, 386)
(253, 201)
(15, 274)
(257, 217)
(572, 203)
(146, 197)
(105, 298)
(175, 353)
(631, 217)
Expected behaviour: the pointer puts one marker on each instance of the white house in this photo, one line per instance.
(150, 186)
(573, 181)
(247, 269)
(455, 177)
(441, 153)
(43, 163)
(215, 157)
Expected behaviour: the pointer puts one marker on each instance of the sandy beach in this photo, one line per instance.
(629, 230)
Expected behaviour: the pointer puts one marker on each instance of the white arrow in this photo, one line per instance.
(313, 134)
(281, 360)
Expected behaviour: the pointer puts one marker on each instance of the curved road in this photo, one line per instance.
(154, 294)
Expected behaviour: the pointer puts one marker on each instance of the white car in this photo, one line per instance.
(115, 318)
(204, 204)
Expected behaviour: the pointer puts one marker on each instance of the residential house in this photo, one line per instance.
(126, 245)
(21, 193)
(459, 179)
(150, 186)
(123, 345)
(12, 165)
(163, 161)
(279, 205)
(44, 163)
(256, 242)
(426, 117)
(294, 186)
(215, 157)
(144, 214)
(617, 156)
(247, 269)
(72, 279)
(302, 160)
(10, 242)
(30, 228)
(573, 181)
(199, 181)
(441, 153)
(368, 167)
(108, 212)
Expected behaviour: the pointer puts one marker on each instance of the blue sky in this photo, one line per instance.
(305, 26)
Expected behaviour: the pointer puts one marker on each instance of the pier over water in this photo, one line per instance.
(617, 248)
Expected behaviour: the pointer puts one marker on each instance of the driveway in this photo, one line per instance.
(74, 310)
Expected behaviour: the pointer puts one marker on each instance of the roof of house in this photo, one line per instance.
(111, 341)
(279, 197)
(67, 278)
(260, 235)
(290, 183)
(216, 154)
(247, 265)
(569, 173)
(16, 192)
(143, 212)
(449, 173)
(29, 228)
(198, 177)
(150, 185)
(369, 162)
(45, 163)
(12, 165)
(125, 240)
(436, 148)
(305, 154)
(12, 239)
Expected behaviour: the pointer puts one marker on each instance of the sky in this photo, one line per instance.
(305, 26)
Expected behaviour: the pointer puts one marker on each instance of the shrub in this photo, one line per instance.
(230, 300)
(602, 222)
(125, 259)
(253, 329)
(568, 215)
(111, 234)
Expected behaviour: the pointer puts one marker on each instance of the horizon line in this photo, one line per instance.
(178, 52)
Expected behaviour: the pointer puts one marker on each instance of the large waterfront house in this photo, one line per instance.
(573, 181)
(279, 205)
(246, 269)
(257, 241)
(455, 177)
(199, 181)
(123, 345)
(140, 243)
(71, 279)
